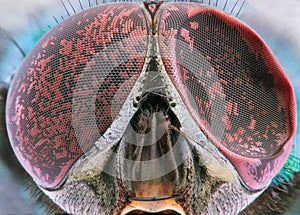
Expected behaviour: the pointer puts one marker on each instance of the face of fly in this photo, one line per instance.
(136, 108)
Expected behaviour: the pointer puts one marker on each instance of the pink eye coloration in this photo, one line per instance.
(243, 99)
(40, 104)
(124, 105)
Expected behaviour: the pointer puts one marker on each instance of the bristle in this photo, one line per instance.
(64, 6)
(233, 7)
(72, 7)
(55, 19)
(80, 4)
(240, 9)
(225, 5)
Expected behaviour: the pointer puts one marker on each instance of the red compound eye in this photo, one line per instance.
(94, 52)
(234, 87)
(227, 77)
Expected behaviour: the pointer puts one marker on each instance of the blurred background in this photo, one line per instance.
(23, 22)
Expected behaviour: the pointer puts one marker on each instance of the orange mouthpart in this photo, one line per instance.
(153, 197)
(166, 206)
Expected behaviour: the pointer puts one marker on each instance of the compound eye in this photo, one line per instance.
(60, 101)
(233, 87)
